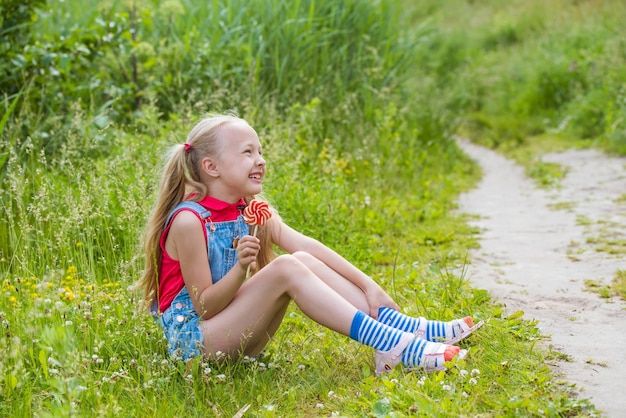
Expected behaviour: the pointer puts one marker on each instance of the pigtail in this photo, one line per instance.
(172, 190)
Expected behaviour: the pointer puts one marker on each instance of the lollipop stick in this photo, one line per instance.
(254, 235)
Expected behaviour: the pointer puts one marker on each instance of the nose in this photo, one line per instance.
(260, 161)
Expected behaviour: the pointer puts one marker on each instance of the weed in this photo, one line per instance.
(619, 283)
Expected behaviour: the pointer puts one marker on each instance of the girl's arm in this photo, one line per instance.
(186, 243)
(291, 241)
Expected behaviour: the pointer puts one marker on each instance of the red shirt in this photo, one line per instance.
(171, 278)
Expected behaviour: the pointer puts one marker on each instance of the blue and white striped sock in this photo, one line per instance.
(397, 320)
(413, 355)
(435, 330)
(368, 331)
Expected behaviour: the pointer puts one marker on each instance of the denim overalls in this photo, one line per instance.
(180, 321)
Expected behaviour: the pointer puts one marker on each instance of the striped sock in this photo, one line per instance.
(397, 320)
(433, 330)
(368, 331)
(421, 353)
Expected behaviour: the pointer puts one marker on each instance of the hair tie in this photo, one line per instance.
(187, 147)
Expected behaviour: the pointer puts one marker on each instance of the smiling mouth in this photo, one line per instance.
(255, 176)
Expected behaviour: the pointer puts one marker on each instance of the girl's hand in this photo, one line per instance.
(247, 250)
(377, 298)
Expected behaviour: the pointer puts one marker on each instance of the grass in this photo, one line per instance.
(535, 76)
(360, 157)
(619, 284)
(617, 287)
(85, 348)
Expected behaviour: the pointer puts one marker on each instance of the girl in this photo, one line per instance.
(198, 249)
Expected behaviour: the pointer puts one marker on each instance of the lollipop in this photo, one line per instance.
(256, 213)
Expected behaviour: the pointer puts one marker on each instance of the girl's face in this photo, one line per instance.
(240, 166)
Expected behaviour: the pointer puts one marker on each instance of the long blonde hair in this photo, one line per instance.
(181, 175)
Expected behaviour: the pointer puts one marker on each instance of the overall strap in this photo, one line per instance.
(188, 205)
(204, 215)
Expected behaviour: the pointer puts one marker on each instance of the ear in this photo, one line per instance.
(209, 167)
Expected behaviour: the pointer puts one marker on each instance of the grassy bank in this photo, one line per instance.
(355, 104)
(538, 76)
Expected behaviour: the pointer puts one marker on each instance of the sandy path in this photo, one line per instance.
(535, 257)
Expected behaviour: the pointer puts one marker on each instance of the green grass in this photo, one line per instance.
(541, 69)
(355, 104)
(619, 284)
(76, 344)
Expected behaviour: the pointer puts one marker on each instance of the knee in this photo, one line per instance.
(288, 265)
(305, 258)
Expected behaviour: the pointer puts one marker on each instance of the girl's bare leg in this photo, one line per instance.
(348, 290)
(453, 332)
(250, 320)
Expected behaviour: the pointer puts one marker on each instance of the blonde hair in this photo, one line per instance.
(181, 175)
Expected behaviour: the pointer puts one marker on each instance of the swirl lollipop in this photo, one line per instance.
(256, 213)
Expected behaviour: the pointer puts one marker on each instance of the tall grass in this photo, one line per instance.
(351, 110)
(536, 69)
(224, 54)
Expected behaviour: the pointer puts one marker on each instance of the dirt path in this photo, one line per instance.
(535, 256)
